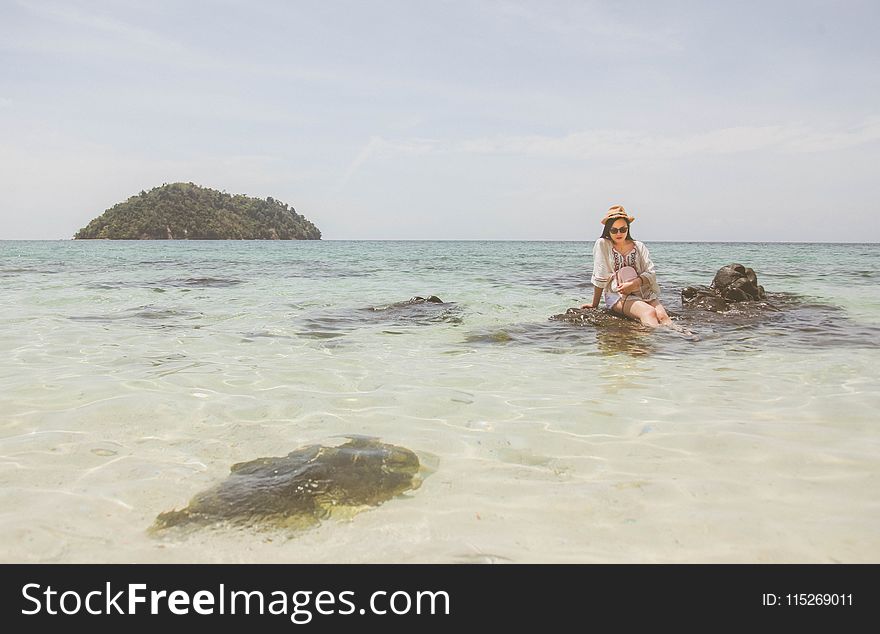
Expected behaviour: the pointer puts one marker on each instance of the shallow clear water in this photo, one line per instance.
(134, 374)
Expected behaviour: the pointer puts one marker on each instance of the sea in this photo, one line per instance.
(133, 375)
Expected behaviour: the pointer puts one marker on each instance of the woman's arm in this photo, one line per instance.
(602, 272)
(648, 276)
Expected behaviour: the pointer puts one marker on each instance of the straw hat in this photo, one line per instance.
(615, 212)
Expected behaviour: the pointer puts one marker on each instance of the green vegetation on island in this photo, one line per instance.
(185, 211)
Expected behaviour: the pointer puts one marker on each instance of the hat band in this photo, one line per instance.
(616, 216)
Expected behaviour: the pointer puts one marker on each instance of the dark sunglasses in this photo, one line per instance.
(620, 230)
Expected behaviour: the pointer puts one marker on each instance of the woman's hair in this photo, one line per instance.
(611, 221)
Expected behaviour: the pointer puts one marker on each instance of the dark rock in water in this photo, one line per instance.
(702, 297)
(414, 312)
(419, 310)
(737, 283)
(298, 490)
(432, 299)
(732, 283)
(412, 301)
(593, 317)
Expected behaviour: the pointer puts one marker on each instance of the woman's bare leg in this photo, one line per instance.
(662, 315)
(639, 310)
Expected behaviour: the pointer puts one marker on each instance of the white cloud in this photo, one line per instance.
(636, 144)
(820, 141)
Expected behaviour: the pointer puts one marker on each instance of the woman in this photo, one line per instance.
(616, 249)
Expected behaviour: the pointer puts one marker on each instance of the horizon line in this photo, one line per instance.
(587, 240)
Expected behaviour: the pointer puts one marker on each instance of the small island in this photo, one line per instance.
(185, 211)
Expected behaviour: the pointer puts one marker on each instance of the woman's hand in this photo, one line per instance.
(587, 306)
(629, 287)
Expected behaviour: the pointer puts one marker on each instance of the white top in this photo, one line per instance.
(603, 269)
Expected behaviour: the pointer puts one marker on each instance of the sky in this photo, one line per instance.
(433, 119)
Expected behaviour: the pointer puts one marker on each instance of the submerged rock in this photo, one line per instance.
(419, 310)
(431, 299)
(704, 297)
(598, 317)
(732, 283)
(416, 311)
(303, 487)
